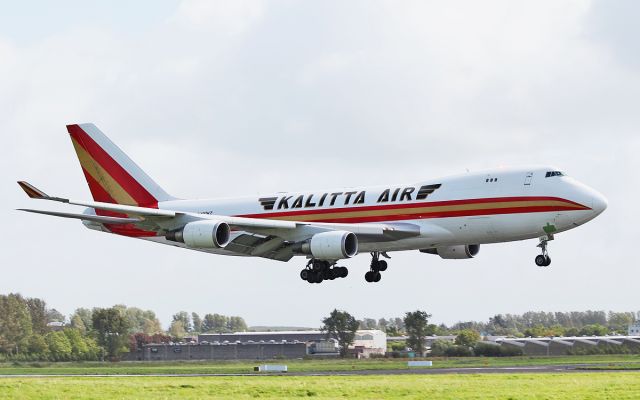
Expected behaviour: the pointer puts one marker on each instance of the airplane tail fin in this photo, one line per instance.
(112, 176)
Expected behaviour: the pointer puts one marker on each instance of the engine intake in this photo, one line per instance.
(455, 252)
(202, 234)
(333, 245)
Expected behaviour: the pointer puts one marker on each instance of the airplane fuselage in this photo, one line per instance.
(491, 206)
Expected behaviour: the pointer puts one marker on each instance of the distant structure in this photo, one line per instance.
(55, 326)
(553, 346)
(223, 351)
(634, 329)
(367, 342)
(260, 346)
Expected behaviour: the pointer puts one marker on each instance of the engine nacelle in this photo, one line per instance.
(333, 245)
(455, 252)
(202, 234)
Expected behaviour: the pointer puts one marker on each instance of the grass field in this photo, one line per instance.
(211, 367)
(602, 385)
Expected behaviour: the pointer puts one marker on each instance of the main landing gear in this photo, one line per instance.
(543, 260)
(377, 266)
(317, 271)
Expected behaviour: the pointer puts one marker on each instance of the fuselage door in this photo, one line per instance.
(528, 178)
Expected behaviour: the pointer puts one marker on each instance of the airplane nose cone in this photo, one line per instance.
(598, 202)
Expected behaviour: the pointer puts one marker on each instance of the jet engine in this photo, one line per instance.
(455, 252)
(334, 245)
(202, 234)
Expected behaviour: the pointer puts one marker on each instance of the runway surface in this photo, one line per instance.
(581, 368)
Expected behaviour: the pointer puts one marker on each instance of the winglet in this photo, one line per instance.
(32, 191)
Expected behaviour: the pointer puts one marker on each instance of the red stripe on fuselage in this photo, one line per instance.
(447, 214)
(310, 212)
(117, 172)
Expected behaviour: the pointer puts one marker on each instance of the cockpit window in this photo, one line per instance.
(553, 173)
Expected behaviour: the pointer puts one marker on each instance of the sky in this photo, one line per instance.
(231, 98)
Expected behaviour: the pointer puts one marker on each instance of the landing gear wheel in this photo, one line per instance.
(543, 260)
(317, 271)
(368, 276)
(377, 265)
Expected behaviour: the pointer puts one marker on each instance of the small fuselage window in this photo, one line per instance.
(549, 174)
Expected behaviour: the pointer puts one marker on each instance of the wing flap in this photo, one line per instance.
(261, 246)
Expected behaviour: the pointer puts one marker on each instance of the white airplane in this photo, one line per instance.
(450, 217)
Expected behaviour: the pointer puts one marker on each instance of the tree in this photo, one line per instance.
(417, 326)
(341, 326)
(54, 315)
(111, 329)
(368, 323)
(237, 324)
(215, 323)
(197, 322)
(594, 330)
(152, 327)
(177, 329)
(619, 321)
(382, 324)
(82, 347)
(399, 324)
(467, 338)
(81, 319)
(15, 323)
(37, 346)
(183, 317)
(59, 346)
(38, 312)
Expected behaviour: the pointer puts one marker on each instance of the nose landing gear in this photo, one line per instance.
(377, 266)
(543, 260)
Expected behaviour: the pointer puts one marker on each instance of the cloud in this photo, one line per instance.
(227, 17)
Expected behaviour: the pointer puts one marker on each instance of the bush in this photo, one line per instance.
(603, 349)
(458, 351)
(439, 347)
(492, 350)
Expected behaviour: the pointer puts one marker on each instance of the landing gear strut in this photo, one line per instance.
(543, 260)
(317, 271)
(377, 266)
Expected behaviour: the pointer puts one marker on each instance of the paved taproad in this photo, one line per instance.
(582, 368)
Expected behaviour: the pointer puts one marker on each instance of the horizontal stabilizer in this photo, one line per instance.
(85, 217)
(32, 191)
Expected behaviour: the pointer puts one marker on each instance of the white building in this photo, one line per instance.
(371, 339)
(634, 329)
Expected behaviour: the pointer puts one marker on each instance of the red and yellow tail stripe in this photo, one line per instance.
(426, 210)
(109, 182)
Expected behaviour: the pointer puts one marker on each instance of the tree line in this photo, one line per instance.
(532, 323)
(92, 334)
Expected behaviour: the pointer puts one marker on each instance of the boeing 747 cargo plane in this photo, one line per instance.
(449, 217)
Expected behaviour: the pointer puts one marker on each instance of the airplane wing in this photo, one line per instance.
(266, 238)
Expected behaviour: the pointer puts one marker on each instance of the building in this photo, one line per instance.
(555, 346)
(222, 351)
(634, 329)
(368, 342)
